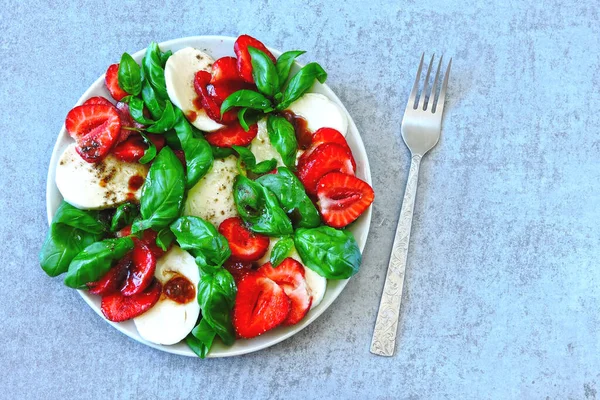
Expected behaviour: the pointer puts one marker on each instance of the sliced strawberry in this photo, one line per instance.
(238, 269)
(325, 158)
(117, 307)
(126, 231)
(343, 198)
(98, 100)
(231, 135)
(141, 271)
(225, 69)
(260, 305)
(244, 244)
(95, 128)
(290, 276)
(326, 135)
(208, 103)
(221, 90)
(112, 82)
(244, 61)
(133, 148)
(126, 122)
(149, 239)
(113, 280)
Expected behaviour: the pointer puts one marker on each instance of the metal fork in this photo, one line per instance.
(421, 127)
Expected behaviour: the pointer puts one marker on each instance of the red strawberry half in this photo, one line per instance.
(260, 305)
(244, 244)
(290, 276)
(325, 158)
(95, 127)
(225, 69)
(238, 269)
(149, 239)
(343, 198)
(112, 281)
(244, 62)
(326, 135)
(112, 82)
(210, 104)
(231, 135)
(126, 122)
(117, 307)
(141, 271)
(132, 149)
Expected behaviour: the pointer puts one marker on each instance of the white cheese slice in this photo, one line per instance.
(180, 71)
(320, 112)
(169, 322)
(212, 197)
(96, 186)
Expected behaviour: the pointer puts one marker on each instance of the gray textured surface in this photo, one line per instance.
(502, 289)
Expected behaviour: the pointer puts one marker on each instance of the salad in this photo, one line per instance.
(208, 199)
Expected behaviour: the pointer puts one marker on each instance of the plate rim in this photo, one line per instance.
(366, 217)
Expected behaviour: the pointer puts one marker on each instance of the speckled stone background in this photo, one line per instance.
(502, 290)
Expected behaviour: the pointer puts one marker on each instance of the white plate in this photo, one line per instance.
(219, 46)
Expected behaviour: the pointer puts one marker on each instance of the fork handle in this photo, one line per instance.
(386, 325)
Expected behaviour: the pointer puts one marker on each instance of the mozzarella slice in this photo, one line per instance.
(169, 322)
(180, 71)
(212, 197)
(320, 112)
(96, 186)
(317, 284)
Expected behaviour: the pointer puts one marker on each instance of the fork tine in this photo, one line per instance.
(422, 103)
(413, 95)
(442, 97)
(435, 84)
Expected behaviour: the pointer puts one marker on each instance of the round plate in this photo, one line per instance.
(219, 46)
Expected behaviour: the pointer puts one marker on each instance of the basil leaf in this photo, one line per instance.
(199, 236)
(83, 220)
(301, 82)
(221, 152)
(162, 194)
(284, 64)
(154, 71)
(264, 72)
(293, 199)
(129, 75)
(124, 215)
(283, 138)
(247, 98)
(281, 250)
(265, 166)
(62, 244)
(247, 157)
(166, 121)
(164, 238)
(248, 117)
(95, 261)
(150, 152)
(136, 110)
(216, 296)
(164, 57)
(329, 252)
(201, 338)
(152, 102)
(198, 153)
(259, 207)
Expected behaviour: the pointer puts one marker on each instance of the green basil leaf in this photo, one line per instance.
(62, 244)
(199, 236)
(248, 117)
(247, 98)
(264, 72)
(136, 110)
(201, 338)
(216, 296)
(259, 207)
(265, 166)
(221, 152)
(164, 57)
(301, 83)
(284, 65)
(152, 102)
(164, 238)
(124, 215)
(162, 194)
(150, 152)
(84, 220)
(166, 121)
(95, 260)
(283, 138)
(247, 157)
(330, 252)
(198, 153)
(154, 71)
(281, 250)
(129, 75)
